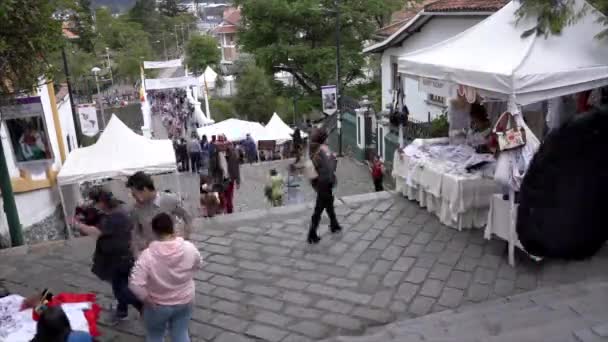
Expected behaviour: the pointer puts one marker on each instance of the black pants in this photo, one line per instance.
(194, 161)
(122, 293)
(378, 184)
(325, 201)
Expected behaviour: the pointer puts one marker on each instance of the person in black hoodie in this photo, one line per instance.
(113, 258)
(325, 164)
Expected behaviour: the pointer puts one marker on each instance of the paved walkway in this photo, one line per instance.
(260, 281)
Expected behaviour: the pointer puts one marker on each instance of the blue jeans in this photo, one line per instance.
(176, 317)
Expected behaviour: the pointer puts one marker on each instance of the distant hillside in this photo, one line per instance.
(117, 6)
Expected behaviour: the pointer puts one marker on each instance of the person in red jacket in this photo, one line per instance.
(377, 170)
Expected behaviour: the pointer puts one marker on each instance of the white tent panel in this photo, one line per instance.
(233, 129)
(208, 76)
(174, 63)
(492, 55)
(118, 152)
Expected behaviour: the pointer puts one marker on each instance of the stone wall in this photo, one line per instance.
(50, 228)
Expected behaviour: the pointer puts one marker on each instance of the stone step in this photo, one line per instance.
(549, 314)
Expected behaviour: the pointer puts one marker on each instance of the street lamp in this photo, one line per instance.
(96, 71)
(164, 47)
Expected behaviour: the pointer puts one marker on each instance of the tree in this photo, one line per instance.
(28, 34)
(144, 12)
(169, 8)
(552, 16)
(299, 36)
(255, 100)
(202, 51)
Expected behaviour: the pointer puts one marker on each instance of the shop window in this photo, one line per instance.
(436, 99)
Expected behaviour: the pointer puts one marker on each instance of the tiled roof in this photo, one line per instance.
(224, 29)
(232, 16)
(401, 18)
(465, 5)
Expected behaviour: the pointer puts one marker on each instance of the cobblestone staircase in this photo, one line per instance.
(568, 313)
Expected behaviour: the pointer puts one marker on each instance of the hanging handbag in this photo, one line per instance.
(508, 134)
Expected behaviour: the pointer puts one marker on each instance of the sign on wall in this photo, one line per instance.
(329, 99)
(435, 87)
(87, 115)
(24, 118)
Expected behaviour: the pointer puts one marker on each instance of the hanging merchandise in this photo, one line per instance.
(468, 93)
(399, 111)
(87, 115)
(508, 134)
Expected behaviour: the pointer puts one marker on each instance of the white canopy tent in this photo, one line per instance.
(493, 56)
(277, 129)
(119, 152)
(209, 76)
(234, 130)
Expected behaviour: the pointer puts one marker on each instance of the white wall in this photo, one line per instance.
(67, 123)
(34, 206)
(438, 29)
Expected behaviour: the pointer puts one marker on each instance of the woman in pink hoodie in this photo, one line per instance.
(163, 278)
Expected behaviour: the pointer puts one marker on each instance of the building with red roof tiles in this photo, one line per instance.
(226, 33)
(418, 26)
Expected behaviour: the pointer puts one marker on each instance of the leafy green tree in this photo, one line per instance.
(255, 100)
(299, 36)
(552, 16)
(202, 51)
(144, 12)
(28, 35)
(169, 8)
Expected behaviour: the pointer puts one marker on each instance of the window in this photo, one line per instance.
(394, 75)
(381, 142)
(358, 130)
(436, 99)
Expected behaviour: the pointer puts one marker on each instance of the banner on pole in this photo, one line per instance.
(26, 126)
(170, 83)
(174, 63)
(329, 99)
(87, 115)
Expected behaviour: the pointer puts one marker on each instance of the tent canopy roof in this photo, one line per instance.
(279, 130)
(118, 152)
(494, 56)
(233, 129)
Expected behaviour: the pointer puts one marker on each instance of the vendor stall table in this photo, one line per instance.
(458, 198)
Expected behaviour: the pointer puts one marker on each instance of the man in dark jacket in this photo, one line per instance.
(113, 259)
(234, 174)
(325, 164)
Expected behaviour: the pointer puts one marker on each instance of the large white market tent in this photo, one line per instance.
(278, 130)
(493, 56)
(118, 152)
(234, 130)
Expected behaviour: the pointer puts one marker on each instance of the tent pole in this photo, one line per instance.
(179, 184)
(65, 213)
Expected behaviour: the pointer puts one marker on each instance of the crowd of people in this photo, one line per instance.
(174, 110)
(143, 251)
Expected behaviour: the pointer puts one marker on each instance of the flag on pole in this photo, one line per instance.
(142, 90)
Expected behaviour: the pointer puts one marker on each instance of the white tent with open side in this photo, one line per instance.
(277, 129)
(234, 130)
(493, 56)
(118, 152)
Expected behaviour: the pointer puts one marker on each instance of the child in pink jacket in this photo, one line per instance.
(163, 278)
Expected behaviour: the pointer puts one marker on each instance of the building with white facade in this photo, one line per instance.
(417, 28)
(34, 186)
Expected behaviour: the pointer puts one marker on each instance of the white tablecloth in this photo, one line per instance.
(19, 326)
(459, 199)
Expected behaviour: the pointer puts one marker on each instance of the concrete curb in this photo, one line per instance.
(296, 208)
(227, 219)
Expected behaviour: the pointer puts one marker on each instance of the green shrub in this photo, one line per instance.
(440, 126)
